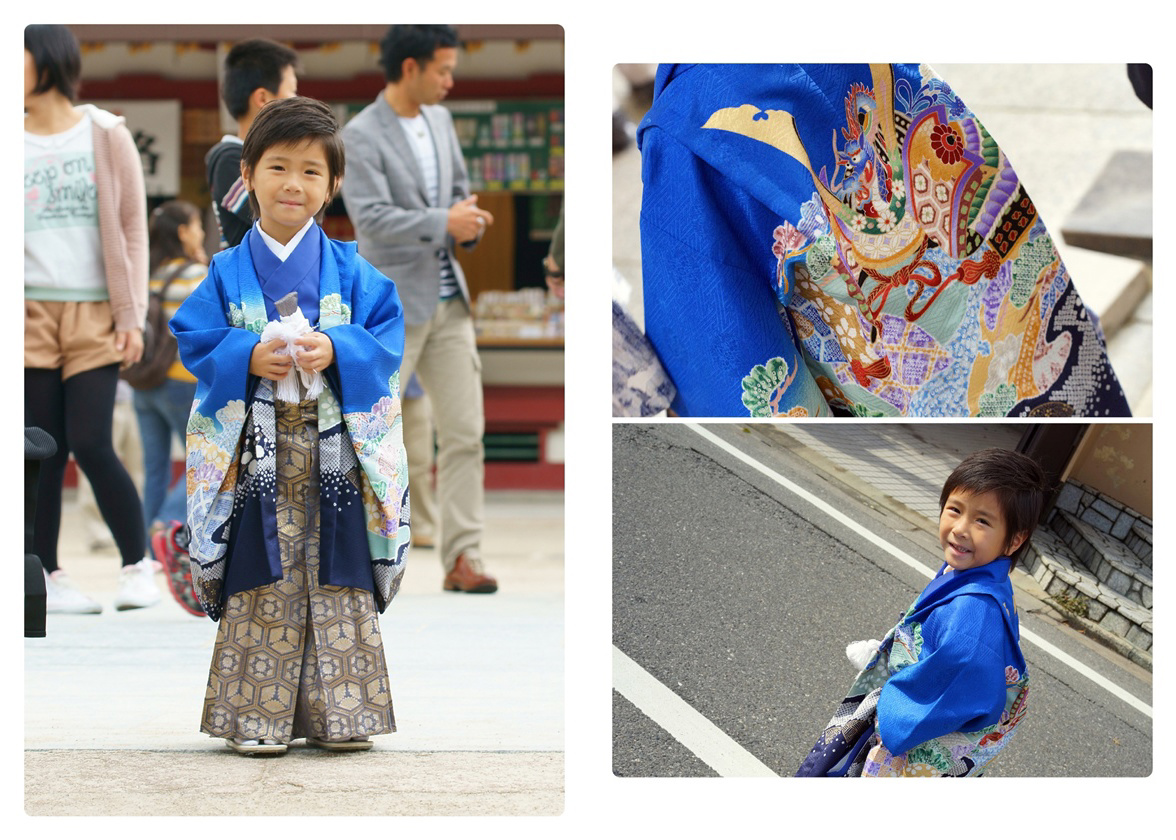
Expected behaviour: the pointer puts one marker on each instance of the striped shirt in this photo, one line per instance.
(421, 140)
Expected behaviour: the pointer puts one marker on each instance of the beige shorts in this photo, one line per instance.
(72, 336)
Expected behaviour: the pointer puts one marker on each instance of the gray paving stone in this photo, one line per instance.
(1069, 498)
(1140, 638)
(1112, 622)
(1107, 507)
(1093, 517)
(1119, 582)
(1135, 614)
(1122, 526)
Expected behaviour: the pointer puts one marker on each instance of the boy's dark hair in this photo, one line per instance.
(416, 41)
(1017, 480)
(164, 231)
(57, 57)
(253, 64)
(295, 121)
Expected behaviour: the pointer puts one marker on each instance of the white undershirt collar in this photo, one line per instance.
(279, 250)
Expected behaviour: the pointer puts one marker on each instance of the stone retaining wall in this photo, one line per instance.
(1097, 550)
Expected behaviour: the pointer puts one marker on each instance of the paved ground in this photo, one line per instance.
(903, 462)
(113, 701)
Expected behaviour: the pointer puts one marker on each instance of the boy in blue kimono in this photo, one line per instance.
(297, 500)
(942, 694)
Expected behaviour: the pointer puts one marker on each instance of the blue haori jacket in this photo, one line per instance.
(952, 657)
(944, 692)
(849, 239)
(231, 431)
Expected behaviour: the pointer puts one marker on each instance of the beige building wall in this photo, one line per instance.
(1116, 459)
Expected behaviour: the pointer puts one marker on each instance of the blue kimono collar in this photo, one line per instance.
(298, 273)
(996, 572)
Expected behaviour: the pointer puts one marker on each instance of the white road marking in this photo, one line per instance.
(681, 720)
(1027, 635)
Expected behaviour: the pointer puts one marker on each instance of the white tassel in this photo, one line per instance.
(290, 328)
(860, 653)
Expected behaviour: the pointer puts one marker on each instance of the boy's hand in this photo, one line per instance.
(267, 363)
(317, 352)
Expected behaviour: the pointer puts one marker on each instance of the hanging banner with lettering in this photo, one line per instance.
(156, 126)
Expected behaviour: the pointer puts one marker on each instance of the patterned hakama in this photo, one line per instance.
(297, 658)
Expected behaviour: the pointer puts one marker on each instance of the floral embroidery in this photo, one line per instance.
(764, 386)
(787, 239)
(231, 455)
(947, 143)
(332, 309)
(928, 759)
(898, 235)
(1028, 267)
(908, 644)
(999, 403)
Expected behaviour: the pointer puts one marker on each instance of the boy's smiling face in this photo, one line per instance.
(972, 530)
(291, 183)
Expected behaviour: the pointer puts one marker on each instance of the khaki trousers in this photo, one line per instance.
(420, 445)
(443, 353)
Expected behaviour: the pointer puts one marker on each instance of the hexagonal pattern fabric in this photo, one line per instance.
(297, 658)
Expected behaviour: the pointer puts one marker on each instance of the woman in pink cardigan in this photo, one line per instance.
(85, 304)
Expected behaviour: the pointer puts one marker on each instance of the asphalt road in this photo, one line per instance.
(740, 597)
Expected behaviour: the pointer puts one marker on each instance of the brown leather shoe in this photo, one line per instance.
(463, 578)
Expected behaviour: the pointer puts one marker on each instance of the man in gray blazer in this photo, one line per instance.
(407, 193)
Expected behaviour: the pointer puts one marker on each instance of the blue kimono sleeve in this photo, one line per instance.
(215, 352)
(707, 273)
(369, 349)
(958, 682)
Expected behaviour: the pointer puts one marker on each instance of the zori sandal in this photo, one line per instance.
(252, 746)
(354, 745)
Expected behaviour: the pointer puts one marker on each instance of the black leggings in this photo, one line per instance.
(79, 413)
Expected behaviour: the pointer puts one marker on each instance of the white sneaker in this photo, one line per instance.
(62, 597)
(136, 587)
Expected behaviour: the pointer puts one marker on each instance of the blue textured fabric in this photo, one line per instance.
(849, 239)
(970, 635)
(299, 272)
